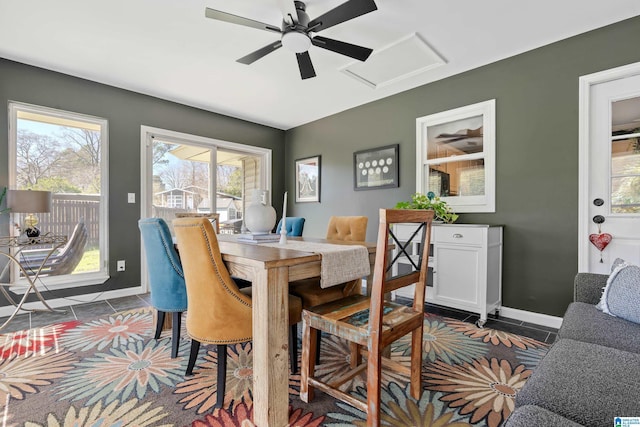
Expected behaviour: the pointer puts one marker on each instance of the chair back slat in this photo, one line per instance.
(383, 281)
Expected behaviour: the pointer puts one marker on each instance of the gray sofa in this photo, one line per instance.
(591, 374)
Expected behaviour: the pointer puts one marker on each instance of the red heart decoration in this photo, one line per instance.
(601, 240)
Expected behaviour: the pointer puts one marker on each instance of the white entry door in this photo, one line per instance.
(609, 169)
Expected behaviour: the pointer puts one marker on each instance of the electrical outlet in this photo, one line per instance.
(131, 197)
(120, 265)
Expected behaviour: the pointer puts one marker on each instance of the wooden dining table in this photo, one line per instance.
(270, 270)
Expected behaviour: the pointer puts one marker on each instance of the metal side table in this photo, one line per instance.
(16, 245)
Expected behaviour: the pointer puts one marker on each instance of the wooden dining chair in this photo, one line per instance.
(344, 228)
(372, 322)
(219, 312)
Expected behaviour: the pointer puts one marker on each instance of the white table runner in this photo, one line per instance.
(340, 263)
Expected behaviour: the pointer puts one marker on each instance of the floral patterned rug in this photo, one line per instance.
(111, 372)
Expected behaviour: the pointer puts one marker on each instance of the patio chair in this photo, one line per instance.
(372, 322)
(63, 261)
(166, 278)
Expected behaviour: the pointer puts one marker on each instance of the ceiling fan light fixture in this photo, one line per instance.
(296, 41)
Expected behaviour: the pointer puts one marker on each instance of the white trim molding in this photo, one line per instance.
(79, 299)
(531, 317)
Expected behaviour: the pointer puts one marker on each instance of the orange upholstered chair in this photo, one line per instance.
(219, 312)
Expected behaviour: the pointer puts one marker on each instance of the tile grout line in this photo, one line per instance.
(142, 299)
(75, 316)
(109, 304)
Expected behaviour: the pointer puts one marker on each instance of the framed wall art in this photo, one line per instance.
(308, 179)
(376, 168)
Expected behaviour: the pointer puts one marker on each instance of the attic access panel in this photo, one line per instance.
(401, 59)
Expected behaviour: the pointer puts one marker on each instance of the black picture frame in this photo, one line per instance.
(308, 179)
(376, 168)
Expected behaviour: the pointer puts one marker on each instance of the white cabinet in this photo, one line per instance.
(465, 266)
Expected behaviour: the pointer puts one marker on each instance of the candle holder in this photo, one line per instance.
(283, 235)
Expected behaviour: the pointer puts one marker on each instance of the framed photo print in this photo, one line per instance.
(308, 179)
(376, 168)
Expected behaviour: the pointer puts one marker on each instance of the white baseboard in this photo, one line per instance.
(80, 299)
(531, 317)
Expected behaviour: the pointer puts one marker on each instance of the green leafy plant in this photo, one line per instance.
(442, 211)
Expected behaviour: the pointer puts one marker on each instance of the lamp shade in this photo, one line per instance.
(29, 201)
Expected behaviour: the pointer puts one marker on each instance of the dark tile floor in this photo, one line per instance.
(538, 332)
(93, 309)
(84, 311)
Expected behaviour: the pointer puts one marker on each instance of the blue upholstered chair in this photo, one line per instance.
(166, 279)
(295, 225)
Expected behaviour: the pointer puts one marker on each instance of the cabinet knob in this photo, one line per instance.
(457, 236)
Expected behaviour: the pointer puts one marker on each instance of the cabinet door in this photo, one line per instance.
(456, 277)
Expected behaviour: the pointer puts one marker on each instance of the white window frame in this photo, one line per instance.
(148, 133)
(462, 204)
(67, 281)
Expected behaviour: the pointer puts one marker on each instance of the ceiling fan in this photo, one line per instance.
(296, 33)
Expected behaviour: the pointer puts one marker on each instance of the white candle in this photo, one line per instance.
(283, 229)
(284, 207)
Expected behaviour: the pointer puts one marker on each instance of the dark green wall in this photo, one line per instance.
(536, 156)
(125, 111)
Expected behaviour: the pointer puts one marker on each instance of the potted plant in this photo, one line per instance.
(441, 209)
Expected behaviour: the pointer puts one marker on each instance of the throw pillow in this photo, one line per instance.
(621, 295)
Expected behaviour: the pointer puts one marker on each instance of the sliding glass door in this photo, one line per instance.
(189, 173)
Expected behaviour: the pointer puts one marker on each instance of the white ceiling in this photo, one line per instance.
(168, 49)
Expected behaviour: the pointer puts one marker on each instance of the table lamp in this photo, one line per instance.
(29, 202)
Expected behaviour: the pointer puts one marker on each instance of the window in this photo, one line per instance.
(455, 152)
(182, 172)
(625, 157)
(65, 153)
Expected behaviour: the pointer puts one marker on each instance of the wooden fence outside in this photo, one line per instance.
(67, 210)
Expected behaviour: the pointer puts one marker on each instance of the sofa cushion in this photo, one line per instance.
(530, 415)
(583, 322)
(621, 295)
(586, 383)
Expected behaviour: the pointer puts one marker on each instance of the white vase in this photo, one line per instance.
(260, 217)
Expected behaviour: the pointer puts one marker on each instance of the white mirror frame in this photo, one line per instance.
(463, 204)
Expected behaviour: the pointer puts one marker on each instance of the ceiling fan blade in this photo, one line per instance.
(234, 19)
(305, 65)
(346, 11)
(347, 49)
(254, 56)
